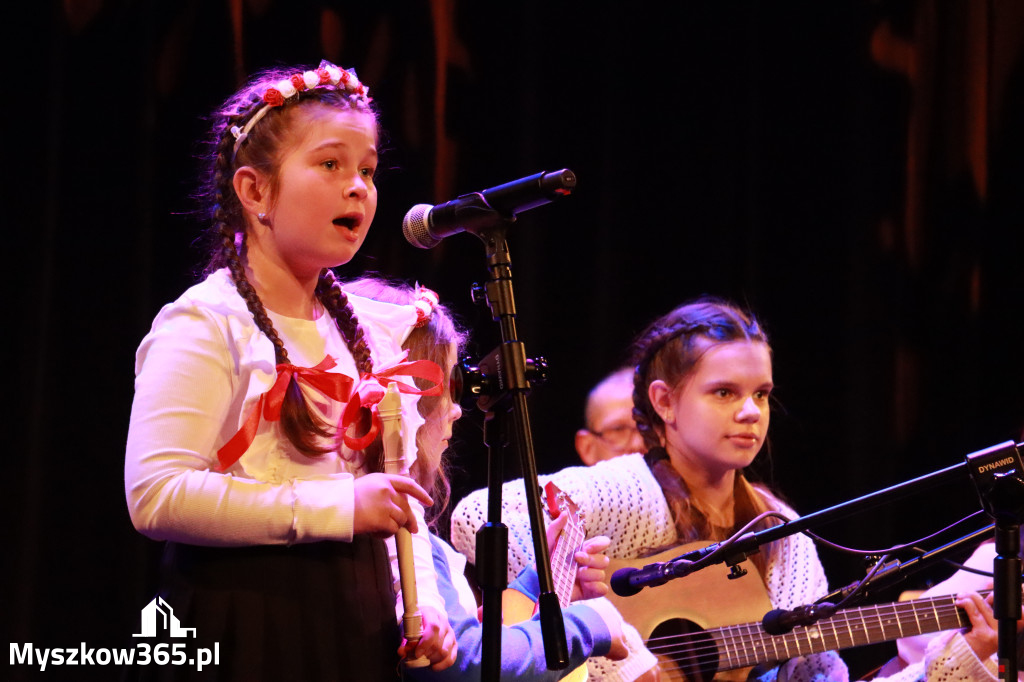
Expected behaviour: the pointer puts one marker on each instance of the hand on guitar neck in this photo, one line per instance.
(983, 636)
(591, 561)
(577, 571)
(579, 562)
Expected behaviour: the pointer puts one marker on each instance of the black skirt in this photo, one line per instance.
(317, 611)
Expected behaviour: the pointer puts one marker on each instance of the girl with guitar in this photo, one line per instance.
(593, 627)
(702, 385)
(703, 379)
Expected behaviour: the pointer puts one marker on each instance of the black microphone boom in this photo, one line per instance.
(425, 226)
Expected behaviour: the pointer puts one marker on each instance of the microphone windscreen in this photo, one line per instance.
(415, 227)
(776, 622)
(620, 583)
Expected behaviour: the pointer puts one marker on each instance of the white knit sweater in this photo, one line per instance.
(621, 499)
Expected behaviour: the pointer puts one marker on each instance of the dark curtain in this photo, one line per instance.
(850, 169)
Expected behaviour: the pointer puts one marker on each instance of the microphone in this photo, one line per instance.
(626, 582)
(424, 226)
(781, 621)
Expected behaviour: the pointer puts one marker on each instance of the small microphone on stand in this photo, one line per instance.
(626, 582)
(781, 621)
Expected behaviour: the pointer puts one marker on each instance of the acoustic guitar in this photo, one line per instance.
(688, 623)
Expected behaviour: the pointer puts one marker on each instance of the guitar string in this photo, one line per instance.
(575, 542)
(853, 615)
(748, 654)
(673, 645)
(753, 629)
(739, 659)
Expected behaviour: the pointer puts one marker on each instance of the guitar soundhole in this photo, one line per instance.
(684, 650)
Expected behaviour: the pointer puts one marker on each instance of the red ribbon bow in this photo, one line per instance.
(370, 391)
(331, 384)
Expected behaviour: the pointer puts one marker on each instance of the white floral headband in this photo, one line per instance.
(286, 88)
(425, 302)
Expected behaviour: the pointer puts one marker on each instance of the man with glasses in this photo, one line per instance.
(610, 430)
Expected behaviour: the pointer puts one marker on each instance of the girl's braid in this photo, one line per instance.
(303, 427)
(640, 401)
(225, 211)
(329, 291)
(646, 349)
(228, 254)
(335, 301)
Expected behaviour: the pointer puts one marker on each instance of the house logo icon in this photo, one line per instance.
(158, 615)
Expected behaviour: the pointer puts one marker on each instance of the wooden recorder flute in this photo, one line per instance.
(390, 410)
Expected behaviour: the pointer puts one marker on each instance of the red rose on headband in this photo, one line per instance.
(298, 82)
(273, 97)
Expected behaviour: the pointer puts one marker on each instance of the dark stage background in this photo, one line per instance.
(850, 169)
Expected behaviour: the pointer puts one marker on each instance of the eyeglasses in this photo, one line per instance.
(618, 436)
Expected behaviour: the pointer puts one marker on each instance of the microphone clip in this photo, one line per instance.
(485, 383)
(736, 571)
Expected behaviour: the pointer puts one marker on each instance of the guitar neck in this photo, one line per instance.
(740, 646)
(563, 562)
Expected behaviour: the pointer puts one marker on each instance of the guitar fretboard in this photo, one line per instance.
(563, 563)
(740, 646)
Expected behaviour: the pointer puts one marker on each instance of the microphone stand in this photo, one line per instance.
(492, 550)
(492, 538)
(1001, 491)
(996, 473)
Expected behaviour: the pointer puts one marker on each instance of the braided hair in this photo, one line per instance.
(268, 131)
(669, 350)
